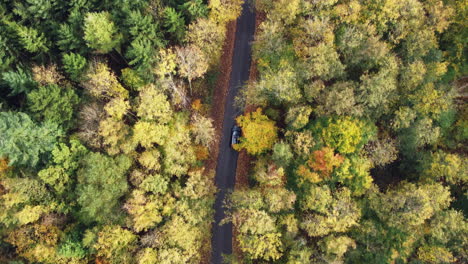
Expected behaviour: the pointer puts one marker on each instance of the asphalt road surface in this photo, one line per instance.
(227, 159)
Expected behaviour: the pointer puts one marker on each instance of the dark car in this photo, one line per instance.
(235, 135)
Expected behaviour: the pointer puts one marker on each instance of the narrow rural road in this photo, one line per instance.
(227, 158)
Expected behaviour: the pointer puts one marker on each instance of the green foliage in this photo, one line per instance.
(32, 40)
(53, 104)
(131, 79)
(101, 182)
(23, 142)
(19, 81)
(100, 32)
(282, 154)
(174, 23)
(65, 162)
(195, 9)
(74, 64)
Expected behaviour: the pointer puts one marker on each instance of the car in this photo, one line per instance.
(235, 135)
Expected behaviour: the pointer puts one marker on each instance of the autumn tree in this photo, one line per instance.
(116, 244)
(258, 132)
(345, 134)
(419, 202)
(192, 63)
(102, 83)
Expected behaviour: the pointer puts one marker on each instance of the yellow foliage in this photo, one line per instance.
(201, 152)
(167, 63)
(103, 83)
(3, 166)
(45, 75)
(259, 133)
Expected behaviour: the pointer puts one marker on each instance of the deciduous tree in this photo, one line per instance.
(258, 132)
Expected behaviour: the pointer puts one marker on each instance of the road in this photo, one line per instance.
(227, 159)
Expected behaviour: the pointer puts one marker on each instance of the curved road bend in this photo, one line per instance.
(227, 160)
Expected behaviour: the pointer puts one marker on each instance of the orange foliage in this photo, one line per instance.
(324, 161)
(307, 174)
(201, 152)
(197, 105)
(101, 261)
(320, 165)
(3, 165)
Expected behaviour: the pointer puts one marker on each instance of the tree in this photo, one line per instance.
(258, 132)
(147, 256)
(335, 247)
(410, 205)
(207, 35)
(322, 162)
(100, 32)
(178, 152)
(150, 159)
(24, 142)
(116, 136)
(381, 152)
(298, 117)
(203, 130)
(54, 104)
(195, 9)
(19, 81)
(192, 63)
(106, 176)
(355, 174)
(153, 105)
(65, 162)
(282, 154)
(267, 174)
(74, 64)
(341, 214)
(174, 23)
(116, 244)
(102, 83)
(280, 86)
(279, 199)
(46, 75)
(339, 99)
(323, 62)
(145, 211)
(450, 167)
(316, 198)
(449, 228)
(345, 134)
(435, 254)
(147, 133)
(223, 11)
(257, 234)
(32, 40)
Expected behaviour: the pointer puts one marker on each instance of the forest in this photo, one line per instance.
(105, 129)
(356, 126)
(358, 134)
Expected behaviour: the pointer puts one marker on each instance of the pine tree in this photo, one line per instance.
(74, 64)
